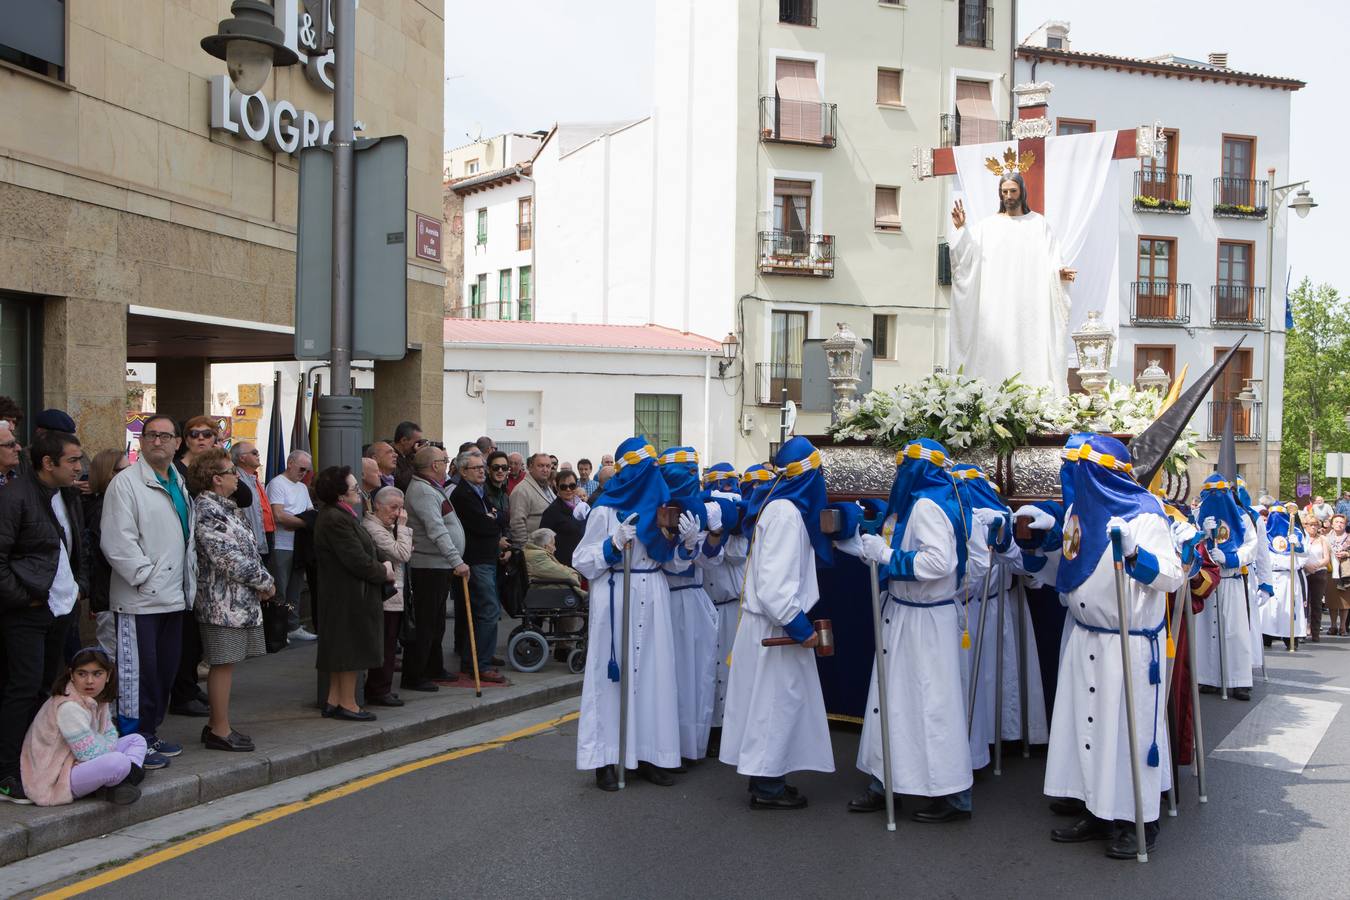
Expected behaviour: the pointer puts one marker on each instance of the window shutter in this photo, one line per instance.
(888, 208)
(888, 87)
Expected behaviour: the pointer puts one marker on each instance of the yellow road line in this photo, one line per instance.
(271, 815)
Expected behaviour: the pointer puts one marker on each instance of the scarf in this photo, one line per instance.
(921, 472)
(1102, 487)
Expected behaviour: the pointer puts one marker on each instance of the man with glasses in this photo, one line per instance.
(247, 460)
(148, 541)
(437, 562)
(407, 441)
(484, 542)
(289, 496)
(498, 471)
(10, 451)
(43, 570)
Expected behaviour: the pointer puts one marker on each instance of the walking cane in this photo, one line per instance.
(623, 672)
(1022, 614)
(979, 648)
(1191, 657)
(881, 697)
(473, 637)
(1118, 557)
(998, 680)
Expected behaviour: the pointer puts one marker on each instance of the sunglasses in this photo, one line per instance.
(495, 467)
(201, 433)
(567, 487)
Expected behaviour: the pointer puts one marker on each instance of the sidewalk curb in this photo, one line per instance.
(47, 828)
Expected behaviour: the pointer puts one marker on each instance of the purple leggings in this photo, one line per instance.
(108, 769)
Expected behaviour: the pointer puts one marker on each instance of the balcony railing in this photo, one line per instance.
(796, 253)
(944, 264)
(1240, 198)
(1237, 306)
(524, 236)
(797, 12)
(773, 378)
(1160, 303)
(1162, 192)
(975, 24)
(956, 130)
(1246, 420)
(521, 310)
(797, 122)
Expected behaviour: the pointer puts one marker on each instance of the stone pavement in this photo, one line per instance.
(274, 702)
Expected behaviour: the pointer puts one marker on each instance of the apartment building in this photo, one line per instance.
(1194, 252)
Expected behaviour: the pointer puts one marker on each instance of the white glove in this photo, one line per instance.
(1127, 544)
(1219, 557)
(853, 546)
(581, 510)
(1265, 594)
(875, 549)
(714, 513)
(1183, 533)
(1210, 525)
(626, 532)
(1040, 519)
(689, 530)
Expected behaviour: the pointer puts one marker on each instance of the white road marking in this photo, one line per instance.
(1281, 733)
(1309, 686)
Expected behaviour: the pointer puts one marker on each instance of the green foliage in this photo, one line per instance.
(1316, 389)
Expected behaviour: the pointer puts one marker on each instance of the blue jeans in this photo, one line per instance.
(768, 788)
(487, 611)
(960, 800)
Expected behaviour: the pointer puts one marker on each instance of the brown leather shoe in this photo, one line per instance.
(492, 676)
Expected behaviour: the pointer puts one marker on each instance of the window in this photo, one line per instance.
(36, 39)
(1075, 126)
(471, 167)
(482, 227)
(1233, 294)
(883, 331)
(1238, 170)
(887, 208)
(657, 417)
(1054, 42)
(791, 217)
(891, 2)
(526, 297)
(976, 121)
(787, 336)
(478, 296)
(504, 294)
(973, 25)
(1164, 354)
(798, 101)
(525, 223)
(1226, 390)
(20, 355)
(1155, 294)
(797, 12)
(1159, 178)
(890, 83)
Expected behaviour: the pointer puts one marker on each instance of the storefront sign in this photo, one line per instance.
(428, 238)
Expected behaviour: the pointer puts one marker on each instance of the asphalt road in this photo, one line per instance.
(519, 821)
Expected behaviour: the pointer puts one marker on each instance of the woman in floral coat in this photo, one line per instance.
(231, 584)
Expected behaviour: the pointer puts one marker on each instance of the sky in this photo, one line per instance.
(545, 62)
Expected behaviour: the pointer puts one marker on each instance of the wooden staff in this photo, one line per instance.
(473, 637)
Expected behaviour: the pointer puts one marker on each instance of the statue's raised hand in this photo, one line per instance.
(959, 215)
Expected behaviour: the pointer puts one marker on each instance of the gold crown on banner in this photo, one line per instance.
(1013, 163)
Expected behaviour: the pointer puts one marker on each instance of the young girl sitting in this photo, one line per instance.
(72, 749)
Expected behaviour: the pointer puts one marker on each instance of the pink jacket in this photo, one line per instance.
(46, 759)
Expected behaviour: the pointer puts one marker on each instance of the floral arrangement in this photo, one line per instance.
(1142, 201)
(964, 412)
(1240, 209)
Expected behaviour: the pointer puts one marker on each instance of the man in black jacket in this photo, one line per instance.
(483, 544)
(43, 572)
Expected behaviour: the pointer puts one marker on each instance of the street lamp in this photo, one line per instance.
(1153, 378)
(729, 347)
(1301, 204)
(250, 44)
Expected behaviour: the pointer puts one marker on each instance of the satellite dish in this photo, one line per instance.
(790, 417)
(476, 132)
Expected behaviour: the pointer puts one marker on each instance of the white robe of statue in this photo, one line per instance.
(1010, 312)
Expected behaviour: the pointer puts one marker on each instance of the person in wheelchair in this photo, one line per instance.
(541, 562)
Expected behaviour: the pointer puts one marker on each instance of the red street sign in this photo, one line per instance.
(510, 423)
(428, 238)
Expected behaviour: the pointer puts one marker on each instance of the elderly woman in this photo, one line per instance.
(542, 562)
(351, 633)
(566, 516)
(1315, 569)
(387, 524)
(1337, 600)
(231, 583)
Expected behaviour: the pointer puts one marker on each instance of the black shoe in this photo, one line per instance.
(656, 775)
(871, 801)
(1088, 828)
(1242, 693)
(386, 700)
(785, 800)
(940, 811)
(137, 774)
(1208, 689)
(1068, 806)
(1126, 843)
(714, 743)
(605, 779)
(426, 687)
(326, 711)
(123, 793)
(194, 707)
(346, 715)
(499, 662)
(11, 789)
(234, 743)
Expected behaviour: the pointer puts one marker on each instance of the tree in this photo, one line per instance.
(1316, 393)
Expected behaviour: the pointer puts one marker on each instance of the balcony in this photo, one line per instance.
(797, 12)
(796, 253)
(1240, 198)
(772, 379)
(1160, 303)
(1162, 192)
(524, 236)
(1246, 422)
(956, 130)
(495, 309)
(1237, 306)
(974, 24)
(805, 122)
(944, 264)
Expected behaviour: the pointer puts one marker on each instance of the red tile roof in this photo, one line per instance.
(1158, 67)
(569, 334)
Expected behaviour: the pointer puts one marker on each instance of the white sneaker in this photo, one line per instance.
(300, 634)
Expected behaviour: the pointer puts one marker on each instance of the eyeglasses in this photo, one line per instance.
(472, 468)
(496, 467)
(302, 469)
(158, 437)
(201, 433)
(9, 445)
(420, 443)
(226, 472)
(440, 462)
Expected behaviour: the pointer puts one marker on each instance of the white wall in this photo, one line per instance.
(587, 396)
(502, 248)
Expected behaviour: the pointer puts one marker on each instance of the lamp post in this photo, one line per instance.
(1301, 204)
(730, 344)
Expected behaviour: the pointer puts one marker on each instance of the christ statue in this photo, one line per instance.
(1010, 309)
